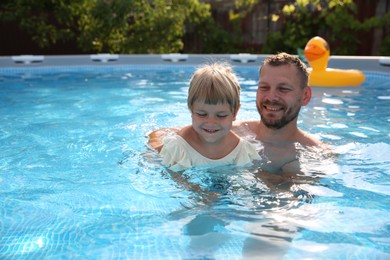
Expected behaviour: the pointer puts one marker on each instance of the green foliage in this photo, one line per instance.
(160, 26)
(48, 21)
(244, 7)
(122, 26)
(213, 38)
(111, 26)
(334, 20)
(385, 46)
(306, 19)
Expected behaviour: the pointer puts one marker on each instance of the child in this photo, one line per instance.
(213, 100)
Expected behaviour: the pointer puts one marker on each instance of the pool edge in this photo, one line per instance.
(367, 63)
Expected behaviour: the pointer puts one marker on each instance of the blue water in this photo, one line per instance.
(77, 179)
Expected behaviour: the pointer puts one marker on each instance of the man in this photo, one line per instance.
(282, 91)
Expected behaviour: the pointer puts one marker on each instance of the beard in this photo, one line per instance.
(290, 115)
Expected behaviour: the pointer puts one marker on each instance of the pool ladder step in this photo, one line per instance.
(174, 57)
(104, 57)
(243, 57)
(28, 59)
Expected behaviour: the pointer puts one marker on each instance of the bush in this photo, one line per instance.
(333, 20)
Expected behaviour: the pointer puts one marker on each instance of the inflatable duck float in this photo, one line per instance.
(317, 54)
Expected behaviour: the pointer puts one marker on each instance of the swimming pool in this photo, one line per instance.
(77, 179)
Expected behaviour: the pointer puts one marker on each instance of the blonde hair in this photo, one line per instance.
(214, 84)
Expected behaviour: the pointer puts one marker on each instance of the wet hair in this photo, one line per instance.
(214, 84)
(283, 58)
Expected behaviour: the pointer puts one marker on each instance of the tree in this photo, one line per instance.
(47, 21)
(110, 26)
(334, 20)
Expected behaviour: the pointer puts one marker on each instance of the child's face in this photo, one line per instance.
(212, 122)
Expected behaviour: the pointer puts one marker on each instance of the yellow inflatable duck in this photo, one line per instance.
(317, 54)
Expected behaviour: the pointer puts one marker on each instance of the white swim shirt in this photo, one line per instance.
(178, 154)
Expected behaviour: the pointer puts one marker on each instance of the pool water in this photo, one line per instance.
(77, 179)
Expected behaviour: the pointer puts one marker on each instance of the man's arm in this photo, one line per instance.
(156, 137)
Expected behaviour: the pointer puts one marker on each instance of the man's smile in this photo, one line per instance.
(273, 107)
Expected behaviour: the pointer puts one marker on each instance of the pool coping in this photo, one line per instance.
(365, 63)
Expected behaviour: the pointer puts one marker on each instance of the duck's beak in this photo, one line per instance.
(313, 52)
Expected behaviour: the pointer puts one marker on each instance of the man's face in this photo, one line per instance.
(280, 95)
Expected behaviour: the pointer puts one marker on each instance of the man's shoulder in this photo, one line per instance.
(248, 124)
(245, 127)
(310, 140)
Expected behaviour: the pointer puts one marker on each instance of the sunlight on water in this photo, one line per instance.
(77, 179)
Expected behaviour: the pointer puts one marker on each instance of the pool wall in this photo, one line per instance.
(366, 63)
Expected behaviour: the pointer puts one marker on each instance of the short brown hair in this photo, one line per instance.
(283, 58)
(214, 84)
